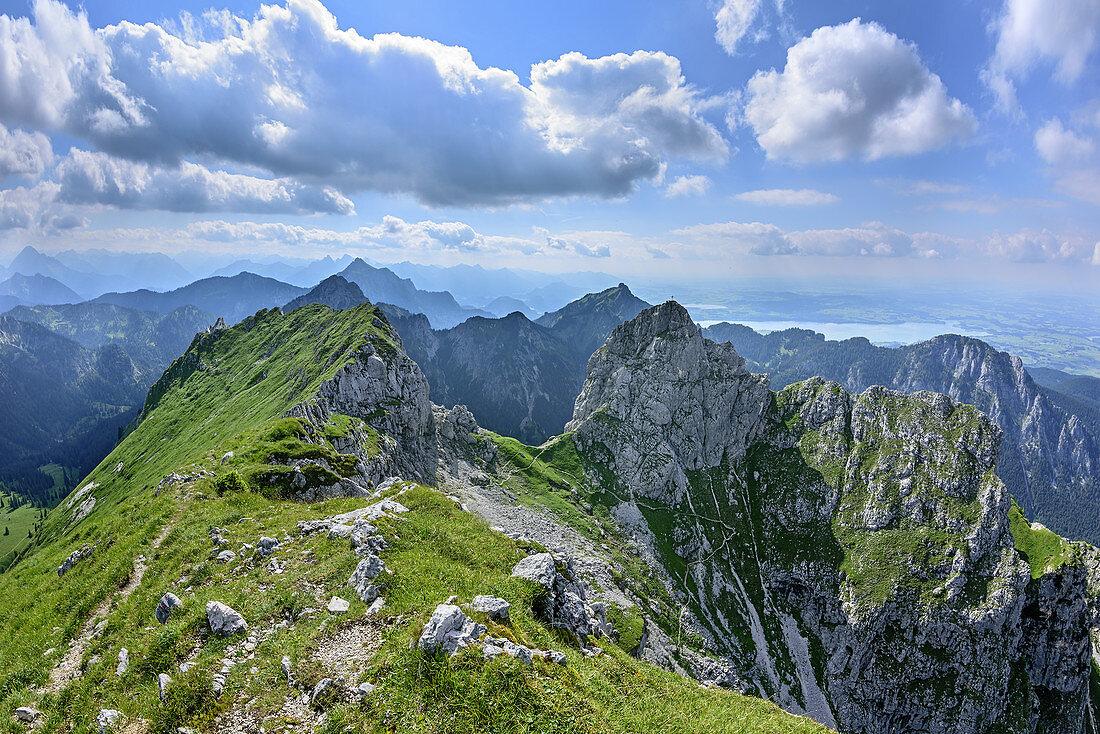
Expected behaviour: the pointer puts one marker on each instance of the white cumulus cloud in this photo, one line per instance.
(1058, 145)
(290, 92)
(687, 186)
(24, 154)
(577, 247)
(1033, 246)
(23, 208)
(1061, 33)
(852, 90)
(734, 20)
(787, 197)
(752, 238)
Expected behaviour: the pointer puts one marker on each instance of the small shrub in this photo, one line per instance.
(629, 624)
(188, 700)
(231, 482)
(161, 654)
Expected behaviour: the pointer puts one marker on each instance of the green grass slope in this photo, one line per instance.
(228, 393)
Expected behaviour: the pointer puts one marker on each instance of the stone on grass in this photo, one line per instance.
(167, 603)
(107, 719)
(364, 574)
(123, 661)
(449, 630)
(538, 568)
(320, 689)
(163, 680)
(267, 546)
(226, 556)
(223, 619)
(336, 605)
(494, 606)
(288, 669)
(77, 555)
(26, 713)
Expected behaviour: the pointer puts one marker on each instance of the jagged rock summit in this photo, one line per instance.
(688, 402)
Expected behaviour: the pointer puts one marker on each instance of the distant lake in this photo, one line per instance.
(903, 332)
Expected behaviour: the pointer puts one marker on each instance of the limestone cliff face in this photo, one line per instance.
(850, 557)
(1052, 451)
(664, 401)
(1050, 454)
(405, 435)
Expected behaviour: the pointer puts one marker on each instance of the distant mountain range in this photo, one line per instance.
(72, 376)
(63, 407)
(334, 292)
(231, 298)
(586, 322)
(473, 284)
(35, 289)
(92, 273)
(382, 285)
(295, 274)
(517, 377)
(151, 339)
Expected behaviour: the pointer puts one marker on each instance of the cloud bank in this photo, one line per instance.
(289, 92)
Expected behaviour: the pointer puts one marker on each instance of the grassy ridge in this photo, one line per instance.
(228, 393)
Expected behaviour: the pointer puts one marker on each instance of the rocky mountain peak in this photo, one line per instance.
(334, 291)
(663, 400)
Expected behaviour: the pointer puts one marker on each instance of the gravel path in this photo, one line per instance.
(494, 505)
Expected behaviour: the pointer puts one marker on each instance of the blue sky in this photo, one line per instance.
(695, 138)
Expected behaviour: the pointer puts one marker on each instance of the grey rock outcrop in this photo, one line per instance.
(497, 608)
(389, 393)
(362, 578)
(266, 546)
(123, 662)
(686, 402)
(27, 714)
(224, 620)
(85, 551)
(404, 435)
(566, 603)
(538, 568)
(107, 719)
(448, 631)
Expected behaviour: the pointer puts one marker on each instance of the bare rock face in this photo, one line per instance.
(661, 400)
(851, 557)
(413, 438)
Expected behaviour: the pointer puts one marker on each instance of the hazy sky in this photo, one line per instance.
(690, 138)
